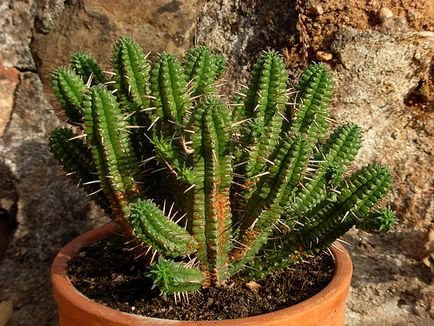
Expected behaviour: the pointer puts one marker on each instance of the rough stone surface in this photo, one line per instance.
(48, 12)
(242, 29)
(371, 86)
(16, 23)
(390, 286)
(9, 78)
(93, 26)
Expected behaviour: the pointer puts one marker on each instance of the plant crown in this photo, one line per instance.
(204, 190)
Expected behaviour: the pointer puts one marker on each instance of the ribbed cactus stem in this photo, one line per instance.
(156, 230)
(264, 105)
(276, 258)
(211, 224)
(202, 68)
(131, 72)
(268, 202)
(276, 187)
(340, 149)
(169, 155)
(69, 90)
(315, 89)
(111, 147)
(358, 194)
(88, 69)
(173, 278)
(378, 221)
(170, 97)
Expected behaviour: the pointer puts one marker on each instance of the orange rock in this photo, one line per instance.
(9, 79)
(323, 56)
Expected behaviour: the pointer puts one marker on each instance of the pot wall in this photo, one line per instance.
(327, 308)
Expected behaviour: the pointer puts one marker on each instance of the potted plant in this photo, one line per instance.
(256, 185)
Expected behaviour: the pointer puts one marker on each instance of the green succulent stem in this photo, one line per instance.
(88, 69)
(378, 221)
(111, 147)
(69, 90)
(264, 105)
(212, 167)
(156, 230)
(171, 277)
(315, 89)
(203, 68)
(131, 72)
(337, 153)
(169, 91)
(357, 195)
(268, 202)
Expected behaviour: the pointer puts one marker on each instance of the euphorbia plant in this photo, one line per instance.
(205, 191)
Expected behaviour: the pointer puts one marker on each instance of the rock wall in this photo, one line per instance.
(93, 26)
(376, 73)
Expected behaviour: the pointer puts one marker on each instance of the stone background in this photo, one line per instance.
(381, 59)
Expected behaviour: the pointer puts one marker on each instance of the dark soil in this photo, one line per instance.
(109, 275)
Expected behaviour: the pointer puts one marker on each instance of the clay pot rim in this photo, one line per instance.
(62, 286)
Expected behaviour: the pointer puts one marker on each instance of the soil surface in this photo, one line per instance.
(107, 274)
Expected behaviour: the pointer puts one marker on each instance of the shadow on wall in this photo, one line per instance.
(404, 253)
(8, 207)
(274, 26)
(52, 209)
(259, 25)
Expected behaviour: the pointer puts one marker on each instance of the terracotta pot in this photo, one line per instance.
(325, 308)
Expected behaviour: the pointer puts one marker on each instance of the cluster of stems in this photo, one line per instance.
(208, 190)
